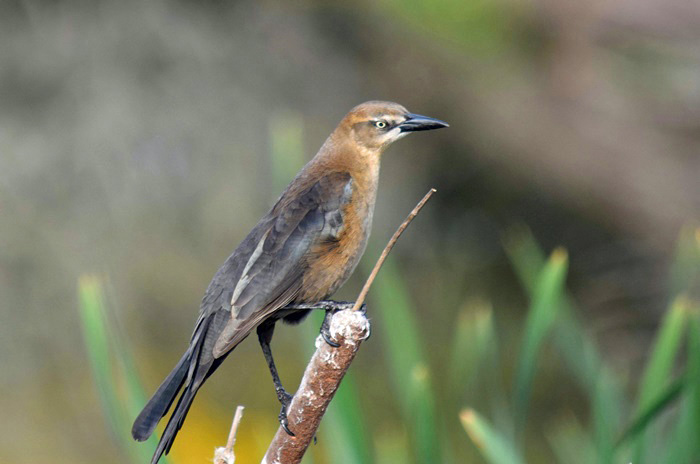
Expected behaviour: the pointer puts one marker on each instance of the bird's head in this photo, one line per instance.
(374, 125)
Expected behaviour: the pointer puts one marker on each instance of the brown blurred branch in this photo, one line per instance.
(327, 368)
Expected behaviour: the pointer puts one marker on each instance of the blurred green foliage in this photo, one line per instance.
(479, 26)
(120, 390)
(495, 447)
(669, 380)
(142, 140)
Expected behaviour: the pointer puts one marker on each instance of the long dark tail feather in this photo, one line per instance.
(183, 406)
(160, 402)
(176, 420)
(191, 371)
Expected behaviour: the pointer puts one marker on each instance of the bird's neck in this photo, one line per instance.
(341, 153)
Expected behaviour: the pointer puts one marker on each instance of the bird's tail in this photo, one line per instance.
(201, 374)
(189, 374)
(160, 402)
(176, 420)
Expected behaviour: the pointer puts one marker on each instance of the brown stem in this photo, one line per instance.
(321, 379)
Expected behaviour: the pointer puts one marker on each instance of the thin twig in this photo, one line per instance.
(234, 428)
(226, 455)
(387, 249)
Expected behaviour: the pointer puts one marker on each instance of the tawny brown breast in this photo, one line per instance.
(331, 263)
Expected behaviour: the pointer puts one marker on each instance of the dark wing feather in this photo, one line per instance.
(273, 273)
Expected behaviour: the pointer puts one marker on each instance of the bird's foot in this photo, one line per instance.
(326, 329)
(331, 307)
(285, 399)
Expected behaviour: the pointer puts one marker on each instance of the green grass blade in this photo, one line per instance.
(543, 310)
(112, 366)
(659, 369)
(135, 396)
(474, 337)
(606, 411)
(684, 444)
(578, 349)
(528, 261)
(661, 361)
(694, 374)
(399, 329)
(526, 256)
(495, 448)
(653, 409)
(97, 344)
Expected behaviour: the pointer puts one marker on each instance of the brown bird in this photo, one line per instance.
(299, 253)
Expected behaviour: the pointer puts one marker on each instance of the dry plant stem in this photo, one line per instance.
(363, 294)
(327, 368)
(234, 428)
(226, 455)
(318, 386)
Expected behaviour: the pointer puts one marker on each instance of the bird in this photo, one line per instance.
(296, 256)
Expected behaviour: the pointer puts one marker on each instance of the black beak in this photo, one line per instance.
(416, 122)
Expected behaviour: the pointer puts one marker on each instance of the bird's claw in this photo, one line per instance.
(284, 422)
(326, 329)
(284, 398)
(327, 338)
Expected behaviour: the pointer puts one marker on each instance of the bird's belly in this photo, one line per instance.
(329, 271)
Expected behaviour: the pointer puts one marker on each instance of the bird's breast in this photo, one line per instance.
(333, 262)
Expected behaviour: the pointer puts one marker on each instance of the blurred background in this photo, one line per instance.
(140, 142)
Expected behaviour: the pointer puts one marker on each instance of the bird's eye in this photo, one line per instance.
(380, 124)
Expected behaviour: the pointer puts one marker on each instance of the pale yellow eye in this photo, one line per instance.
(380, 124)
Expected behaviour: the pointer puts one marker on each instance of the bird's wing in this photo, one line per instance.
(272, 272)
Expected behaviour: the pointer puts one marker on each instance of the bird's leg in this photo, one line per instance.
(330, 307)
(265, 331)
